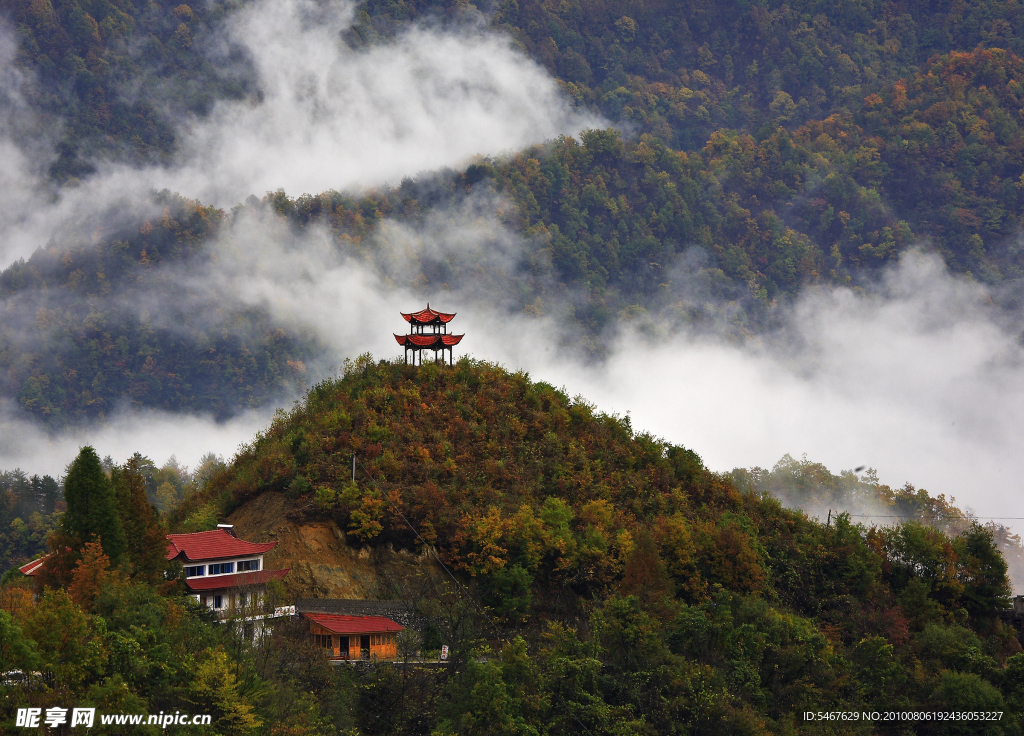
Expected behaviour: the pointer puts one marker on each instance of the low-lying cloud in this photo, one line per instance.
(916, 376)
(333, 117)
(155, 434)
(330, 117)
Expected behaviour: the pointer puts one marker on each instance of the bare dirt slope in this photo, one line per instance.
(322, 563)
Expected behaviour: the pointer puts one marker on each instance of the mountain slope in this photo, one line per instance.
(555, 515)
(118, 315)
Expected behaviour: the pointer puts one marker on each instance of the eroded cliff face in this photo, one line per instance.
(322, 563)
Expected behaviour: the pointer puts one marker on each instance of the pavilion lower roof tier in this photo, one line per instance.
(428, 316)
(428, 342)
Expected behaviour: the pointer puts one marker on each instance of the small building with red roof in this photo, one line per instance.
(354, 637)
(224, 572)
(32, 568)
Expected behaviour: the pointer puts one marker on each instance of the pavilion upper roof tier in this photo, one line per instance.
(428, 316)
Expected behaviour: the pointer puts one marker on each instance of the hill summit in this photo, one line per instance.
(499, 472)
(608, 548)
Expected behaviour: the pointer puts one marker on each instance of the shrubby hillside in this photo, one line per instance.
(625, 586)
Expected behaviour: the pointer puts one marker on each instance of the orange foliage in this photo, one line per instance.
(15, 600)
(91, 572)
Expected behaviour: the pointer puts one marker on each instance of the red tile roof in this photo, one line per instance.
(338, 624)
(215, 545)
(216, 582)
(428, 341)
(427, 316)
(31, 568)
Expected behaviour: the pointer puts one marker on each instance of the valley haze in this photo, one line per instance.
(915, 375)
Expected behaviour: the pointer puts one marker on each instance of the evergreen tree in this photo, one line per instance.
(92, 511)
(144, 532)
(49, 491)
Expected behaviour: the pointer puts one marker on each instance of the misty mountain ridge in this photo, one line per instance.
(760, 207)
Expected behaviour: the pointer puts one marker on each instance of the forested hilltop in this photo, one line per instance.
(624, 587)
(603, 580)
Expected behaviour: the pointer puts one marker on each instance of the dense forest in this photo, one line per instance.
(603, 580)
(31, 506)
(606, 581)
(94, 326)
(761, 148)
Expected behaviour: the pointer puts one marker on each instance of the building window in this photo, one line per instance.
(248, 565)
(218, 602)
(241, 600)
(196, 571)
(323, 640)
(222, 568)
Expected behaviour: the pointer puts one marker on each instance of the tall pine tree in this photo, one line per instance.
(145, 534)
(92, 508)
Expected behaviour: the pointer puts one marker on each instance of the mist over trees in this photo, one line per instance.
(602, 579)
(764, 150)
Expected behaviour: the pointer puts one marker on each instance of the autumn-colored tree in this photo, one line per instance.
(70, 641)
(645, 574)
(90, 574)
(16, 599)
(215, 690)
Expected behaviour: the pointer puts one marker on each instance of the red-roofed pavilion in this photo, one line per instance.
(428, 330)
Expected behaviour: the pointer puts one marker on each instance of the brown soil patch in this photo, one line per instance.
(322, 563)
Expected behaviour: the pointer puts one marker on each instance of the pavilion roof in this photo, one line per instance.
(215, 545)
(428, 341)
(238, 579)
(428, 316)
(339, 624)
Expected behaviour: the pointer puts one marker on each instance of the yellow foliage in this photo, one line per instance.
(215, 691)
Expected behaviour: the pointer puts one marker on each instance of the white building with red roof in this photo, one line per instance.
(224, 572)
